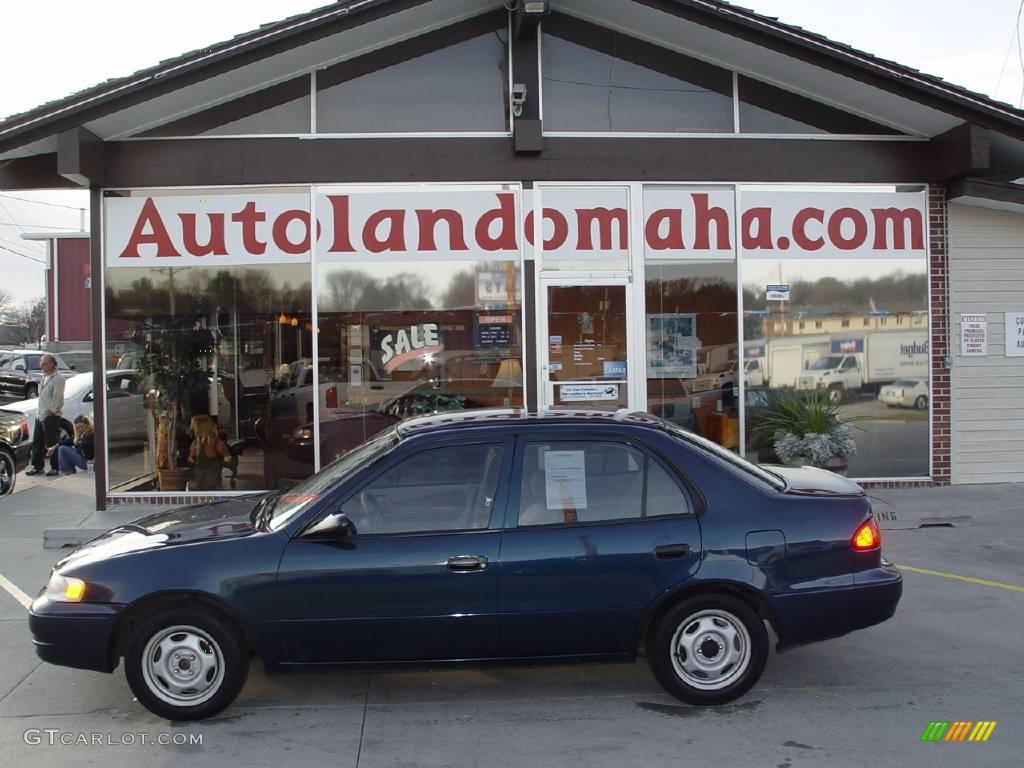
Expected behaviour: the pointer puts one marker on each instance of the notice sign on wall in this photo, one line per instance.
(974, 335)
(1015, 334)
(581, 393)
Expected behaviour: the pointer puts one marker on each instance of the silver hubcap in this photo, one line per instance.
(710, 650)
(6, 475)
(182, 665)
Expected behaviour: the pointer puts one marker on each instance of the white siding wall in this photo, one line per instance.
(986, 275)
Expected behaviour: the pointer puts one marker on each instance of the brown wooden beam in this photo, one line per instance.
(34, 172)
(962, 151)
(201, 162)
(80, 157)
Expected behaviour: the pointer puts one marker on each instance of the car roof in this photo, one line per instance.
(441, 422)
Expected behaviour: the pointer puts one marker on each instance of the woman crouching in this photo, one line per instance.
(71, 458)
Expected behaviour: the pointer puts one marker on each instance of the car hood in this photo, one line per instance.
(24, 406)
(184, 525)
(811, 481)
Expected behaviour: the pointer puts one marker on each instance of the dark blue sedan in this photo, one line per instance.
(487, 536)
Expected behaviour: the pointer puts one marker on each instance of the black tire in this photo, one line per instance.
(229, 670)
(31, 391)
(836, 393)
(8, 471)
(715, 617)
(921, 403)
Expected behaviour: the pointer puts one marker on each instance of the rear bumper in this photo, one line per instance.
(876, 594)
(74, 634)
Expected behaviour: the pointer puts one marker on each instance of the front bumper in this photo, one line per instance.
(75, 634)
(22, 455)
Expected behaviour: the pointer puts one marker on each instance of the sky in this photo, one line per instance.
(52, 48)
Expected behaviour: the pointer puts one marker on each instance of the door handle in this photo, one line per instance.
(467, 563)
(671, 551)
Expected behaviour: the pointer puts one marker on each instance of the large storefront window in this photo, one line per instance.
(692, 356)
(216, 355)
(855, 333)
(407, 339)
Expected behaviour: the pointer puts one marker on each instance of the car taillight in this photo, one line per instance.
(867, 536)
(24, 429)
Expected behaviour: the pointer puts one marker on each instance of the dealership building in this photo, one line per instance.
(382, 208)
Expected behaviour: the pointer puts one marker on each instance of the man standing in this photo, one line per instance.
(46, 434)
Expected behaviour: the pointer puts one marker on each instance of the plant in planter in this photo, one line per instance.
(799, 430)
(174, 374)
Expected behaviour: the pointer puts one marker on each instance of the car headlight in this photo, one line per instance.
(303, 433)
(65, 589)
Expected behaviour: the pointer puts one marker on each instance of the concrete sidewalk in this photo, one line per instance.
(68, 504)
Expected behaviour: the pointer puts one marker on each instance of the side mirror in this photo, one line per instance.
(19, 366)
(334, 526)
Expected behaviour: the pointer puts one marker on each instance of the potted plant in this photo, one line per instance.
(175, 379)
(802, 430)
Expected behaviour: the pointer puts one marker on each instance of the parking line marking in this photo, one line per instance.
(957, 577)
(12, 589)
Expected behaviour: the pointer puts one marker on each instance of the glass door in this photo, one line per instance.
(584, 340)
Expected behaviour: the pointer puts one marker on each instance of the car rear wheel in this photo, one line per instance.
(921, 403)
(186, 663)
(8, 471)
(709, 649)
(31, 391)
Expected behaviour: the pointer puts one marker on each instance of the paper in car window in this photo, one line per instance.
(565, 479)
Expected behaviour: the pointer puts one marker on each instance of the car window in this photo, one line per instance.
(32, 363)
(592, 481)
(440, 489)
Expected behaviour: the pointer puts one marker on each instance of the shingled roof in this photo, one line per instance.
(90, 103)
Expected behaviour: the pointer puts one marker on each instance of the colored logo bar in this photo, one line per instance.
(958, 730)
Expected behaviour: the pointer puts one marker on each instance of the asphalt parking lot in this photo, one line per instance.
(954, 651)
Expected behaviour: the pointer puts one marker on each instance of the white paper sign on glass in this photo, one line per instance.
(973, 335)
(1015, 334)
(565, 475)
(579, 393)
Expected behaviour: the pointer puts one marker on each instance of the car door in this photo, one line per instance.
(6, 375)
(417, 580)
(125, 409)
(597, 528)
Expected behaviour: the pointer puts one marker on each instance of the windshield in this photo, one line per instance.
(298, 498)
(826, 363)
(726, 455)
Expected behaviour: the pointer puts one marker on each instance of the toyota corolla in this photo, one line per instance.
(483, 536)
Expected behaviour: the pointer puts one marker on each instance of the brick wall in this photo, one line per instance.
(938, 275)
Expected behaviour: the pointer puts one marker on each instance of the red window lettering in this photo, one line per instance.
(505, 215)
(604, 218)
(558, 237)
(835, 229)
(395, 240)
(149, 217)
(214, 244)
(428, 220)
(249, 217)
(800, 229)
(280, 232)
(704, 216)
(899, 220)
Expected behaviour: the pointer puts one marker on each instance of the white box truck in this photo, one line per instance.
(856, 364)
(779, 362)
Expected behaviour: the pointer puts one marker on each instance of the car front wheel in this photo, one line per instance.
(709, 649)
(921, 403)
(186, 663)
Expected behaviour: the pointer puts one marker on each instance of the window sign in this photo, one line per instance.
(776, 292)
(974, 335)
(494, 331)
(565, 474)
(1015, 334)
(578, 393)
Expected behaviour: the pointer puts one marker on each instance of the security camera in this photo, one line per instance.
(518, 98)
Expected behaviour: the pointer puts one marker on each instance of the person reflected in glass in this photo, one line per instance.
(207, 455)
(79, 455)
